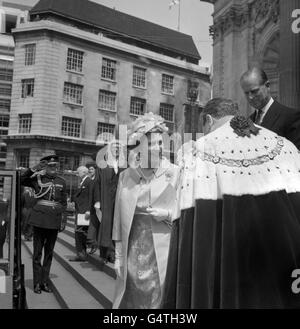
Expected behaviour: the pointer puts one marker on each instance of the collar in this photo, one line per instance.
(267, 106)
(83, 179)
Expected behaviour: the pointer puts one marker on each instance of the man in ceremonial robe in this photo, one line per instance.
(235, 240)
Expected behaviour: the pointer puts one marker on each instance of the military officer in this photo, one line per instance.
(47, 216)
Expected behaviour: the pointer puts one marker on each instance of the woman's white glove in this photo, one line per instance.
(98, 211)
(119, 263)
(159, 214)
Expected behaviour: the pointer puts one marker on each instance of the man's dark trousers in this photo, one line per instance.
(46, 238)
(81, 239)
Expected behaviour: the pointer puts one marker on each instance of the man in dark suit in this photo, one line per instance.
(104, 195)
(82, 206)
(47, 216)
(269, 113)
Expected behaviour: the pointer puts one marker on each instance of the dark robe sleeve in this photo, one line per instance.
(293, 130)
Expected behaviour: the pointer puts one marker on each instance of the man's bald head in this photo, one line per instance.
(256, 87)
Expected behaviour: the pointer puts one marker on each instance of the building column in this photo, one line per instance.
(289, 78)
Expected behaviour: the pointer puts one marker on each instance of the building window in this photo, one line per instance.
(167, 84)
(23, 158)
(27, 88)
(4, 122)
(30, 54)
(73, 93)
(139, 77)
(105, 131)
(74, 60)
(5, 104)
(137, 106)
(108, 69)
(107, 100)
(67, 160)
(3, 150)
(24, 123)
(6, 74)
(167, 112)
(71, 127)
(5, 89)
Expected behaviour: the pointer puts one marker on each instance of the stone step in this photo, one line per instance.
(93, 283)
(35, 301)
(67, 291)
(67, 238)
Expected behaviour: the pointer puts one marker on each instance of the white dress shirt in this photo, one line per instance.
(264, 110)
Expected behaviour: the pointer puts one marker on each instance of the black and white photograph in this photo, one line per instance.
(149, 157)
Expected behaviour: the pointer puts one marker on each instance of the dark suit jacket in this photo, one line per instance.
(283, 120)
(83, 196)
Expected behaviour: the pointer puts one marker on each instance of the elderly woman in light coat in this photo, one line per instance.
(145, 202)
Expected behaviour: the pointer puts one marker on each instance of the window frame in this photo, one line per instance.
(171, 107)
(78, 60)
(164, 91)
(144, 102)
(29, 58)
(67, 98)
(108, 94)
(25, 91)
(22, 119)
(68, 120)
(105, 133)
(135, 67)
(104, 74)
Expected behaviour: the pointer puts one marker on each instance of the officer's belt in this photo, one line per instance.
(48, 203)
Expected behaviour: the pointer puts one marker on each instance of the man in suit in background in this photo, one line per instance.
(94, 226)
(82, 206)
(269, 113)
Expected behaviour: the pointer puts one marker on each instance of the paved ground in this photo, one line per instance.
(36, 301)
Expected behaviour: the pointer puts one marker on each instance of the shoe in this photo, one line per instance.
(45, 287)
(37, 289)
(78, 259)
(92, 250)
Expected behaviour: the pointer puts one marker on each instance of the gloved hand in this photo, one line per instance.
(62, 226)
(159, 214)
(63, 223)
(98, 211)
(40, 166)
(40, 172)
(119, 265)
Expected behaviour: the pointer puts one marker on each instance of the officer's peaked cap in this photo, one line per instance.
(51, 159)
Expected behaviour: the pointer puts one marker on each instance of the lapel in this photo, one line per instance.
(82, 185)
(271, 116)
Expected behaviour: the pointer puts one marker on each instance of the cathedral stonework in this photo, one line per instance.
(255, 32)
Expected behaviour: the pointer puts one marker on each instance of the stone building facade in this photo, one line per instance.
(74, 83)
(256, 32)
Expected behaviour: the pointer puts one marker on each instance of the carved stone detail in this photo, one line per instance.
(259, 12)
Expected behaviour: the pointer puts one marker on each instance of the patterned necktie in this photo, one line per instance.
(258, 116)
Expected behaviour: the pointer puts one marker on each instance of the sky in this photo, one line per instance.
(195, 18)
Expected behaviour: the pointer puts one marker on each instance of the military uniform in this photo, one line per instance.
(47, 217)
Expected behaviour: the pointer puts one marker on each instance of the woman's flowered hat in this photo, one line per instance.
(143, 124)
